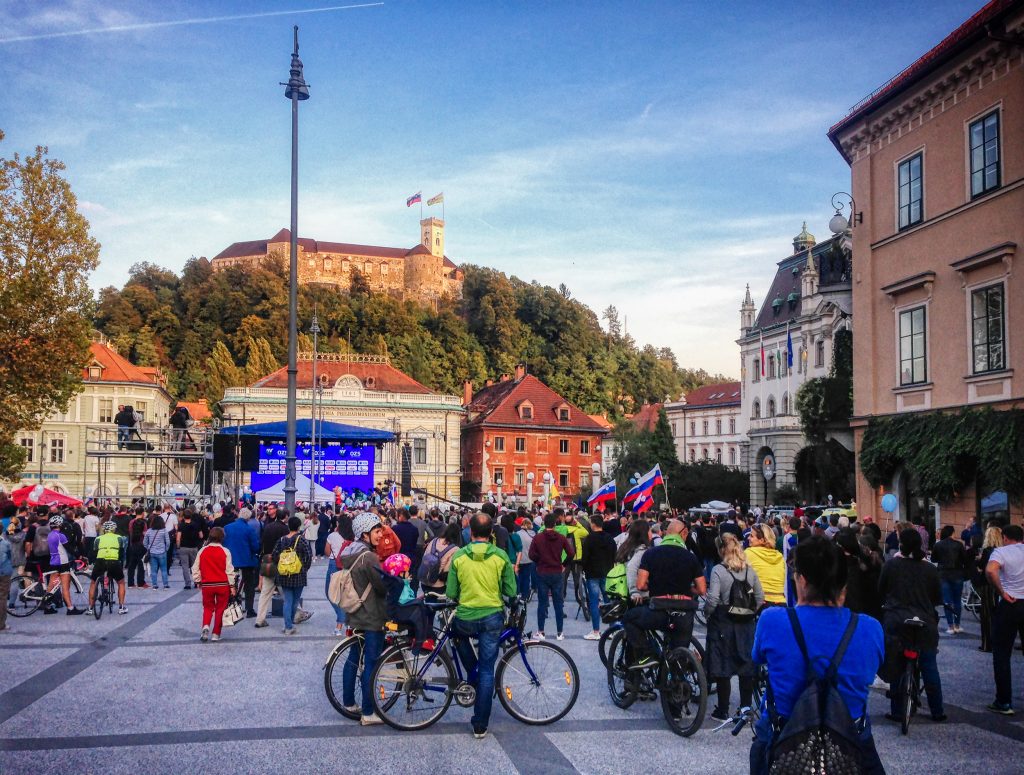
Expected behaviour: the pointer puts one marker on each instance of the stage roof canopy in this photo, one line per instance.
(325, 431)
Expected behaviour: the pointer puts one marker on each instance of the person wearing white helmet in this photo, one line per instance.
(110, 553)
(60, 562)
(360, 559)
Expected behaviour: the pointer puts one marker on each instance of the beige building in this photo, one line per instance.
(366, 390)
(421, 273)
(937, 164)
(76, 452)
(707, 424)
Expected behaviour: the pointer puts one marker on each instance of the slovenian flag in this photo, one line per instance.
(392, 492)
(643, 503)
(646, 485)
(417, 197)
(606, 492)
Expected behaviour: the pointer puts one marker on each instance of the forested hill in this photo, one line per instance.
(208, 330)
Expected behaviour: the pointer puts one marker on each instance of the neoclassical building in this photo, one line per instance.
(421, 273)
(366, 390)
(808, 302)
(708, 424)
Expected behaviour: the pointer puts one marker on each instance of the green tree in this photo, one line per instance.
(144, 349)
(46, 254)
(221, 373)
(261, 360)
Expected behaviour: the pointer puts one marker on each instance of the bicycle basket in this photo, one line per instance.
(613, 611)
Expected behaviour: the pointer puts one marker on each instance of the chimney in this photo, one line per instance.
(488, 383)
(505, 377)
(520, 371)
(467, 393)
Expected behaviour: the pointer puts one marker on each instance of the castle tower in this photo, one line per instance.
(803, 240)
(809, 277)
(432, 230)
(747, 313)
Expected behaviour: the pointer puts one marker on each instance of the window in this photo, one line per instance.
(563, 414)
(732, 426)
(984, 139)
(585, 447)
(819, 353)
(29, 446)
(106, 410)
(756, 414)
(57, 449)
(526, 412)
(140, 407)
(520, 477)
(693, 427)
(584, 477)
(674, 428)
(785, 403)
(95, 372)
(384, 270)
(987, 327)
(693, 456)
(910, 192)
(718, 456)
(705, 427)
(419, 452)
(378, 455)
(732, 457)
(912, 347)
(704, 454)
(311, 262)
(328, 265)
(563, 478)
(718, 427)
(499, 476)
(499, 443)
(563, 446)
(771, 367)
(771, 406)
(520, 444)
(757, 370)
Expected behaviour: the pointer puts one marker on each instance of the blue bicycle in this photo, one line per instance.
(536, 681)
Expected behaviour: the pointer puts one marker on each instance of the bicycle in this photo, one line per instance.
(339, 657)
(611, 614)
(536, 682)
(749, 714)
(105, 595)
(909, 687)
(29, 592)
(971, 600)
(677, 676)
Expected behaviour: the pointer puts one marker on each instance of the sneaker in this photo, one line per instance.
(592, 636)
(339, 633)
(261, 624)
(354, 709)
(188, 586)
(1003, 709)
(370, 720)
(539, 635)
(122, 610)
(560, 636)
(205, 634)
(958, 628)
(145, 586)
(75, 612)
(951, 631)
(479, 734)
(720, 714)
(89, 612)
(50, 610)
(167, 586)
(215, 638)
(292, 631)
(251, 614)
(302, 616)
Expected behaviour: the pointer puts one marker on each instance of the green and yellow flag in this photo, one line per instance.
(436, 200)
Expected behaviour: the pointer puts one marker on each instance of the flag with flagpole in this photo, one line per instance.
(789, 348)
(553, 492)
(645, 485)
(436, 200)
(417, 197)
(604, 493)
(392, 492)
(762, 353)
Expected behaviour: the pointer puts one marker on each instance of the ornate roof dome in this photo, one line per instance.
(803, 240)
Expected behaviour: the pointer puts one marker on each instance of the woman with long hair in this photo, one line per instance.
(730, 630)
(993, 540)
(638, 541)
(768, 563)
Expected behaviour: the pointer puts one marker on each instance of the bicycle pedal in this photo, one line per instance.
(647, 696)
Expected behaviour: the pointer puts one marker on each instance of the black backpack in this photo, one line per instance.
(742, 600)
(819, 737)
(430, 566)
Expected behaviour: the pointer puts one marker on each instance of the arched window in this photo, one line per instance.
(771, 406)
(757, 370)
(718, 456)
(785, 403)
(732, 457)
(756, 414)
(771, 367)
(693, 455)
(705, 454)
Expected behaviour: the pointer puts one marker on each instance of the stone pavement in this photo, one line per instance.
(139, 694)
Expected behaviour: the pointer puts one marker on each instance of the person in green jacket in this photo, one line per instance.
(479, 577)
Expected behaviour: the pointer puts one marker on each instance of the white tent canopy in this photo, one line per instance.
(275, 493)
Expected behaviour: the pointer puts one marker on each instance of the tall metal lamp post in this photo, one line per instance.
(314, 329)
(296, 90)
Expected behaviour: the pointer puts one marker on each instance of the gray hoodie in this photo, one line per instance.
(373, 613)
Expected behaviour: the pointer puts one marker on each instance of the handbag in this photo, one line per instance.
(268, 568)
(233, 614)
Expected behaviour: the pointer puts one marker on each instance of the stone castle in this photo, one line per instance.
(421, 273)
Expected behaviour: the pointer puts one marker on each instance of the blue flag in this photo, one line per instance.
(789, 348)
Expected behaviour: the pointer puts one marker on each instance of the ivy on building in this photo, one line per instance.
(947, 451)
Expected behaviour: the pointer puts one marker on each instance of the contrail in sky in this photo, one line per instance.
(179, 23)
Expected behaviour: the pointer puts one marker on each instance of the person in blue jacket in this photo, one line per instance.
(242, 539)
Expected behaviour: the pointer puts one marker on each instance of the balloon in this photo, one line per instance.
(889, 503)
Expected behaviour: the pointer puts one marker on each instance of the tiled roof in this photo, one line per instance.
(647, 417)
(259, 248)
(723, 394)
(499, 405)
(381, 376)
(117, 368)
(601, 420)
(199, 410)
(786, 283)
(953, 44)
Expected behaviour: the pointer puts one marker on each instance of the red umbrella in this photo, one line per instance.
(37, 495)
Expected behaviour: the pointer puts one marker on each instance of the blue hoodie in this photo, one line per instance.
(242, 539)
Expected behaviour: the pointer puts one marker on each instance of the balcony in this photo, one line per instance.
(781, 422)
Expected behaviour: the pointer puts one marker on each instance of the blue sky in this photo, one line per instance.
(656, 156)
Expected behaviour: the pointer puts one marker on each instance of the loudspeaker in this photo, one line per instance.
(250, 454)
(224, 452)
(406, 470)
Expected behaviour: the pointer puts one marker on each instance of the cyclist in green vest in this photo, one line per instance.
(110, 552)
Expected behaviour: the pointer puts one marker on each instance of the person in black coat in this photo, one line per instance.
(862, 572)
(598, 558)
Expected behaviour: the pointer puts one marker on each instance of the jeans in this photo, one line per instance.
(952, 595)
(927, 662)
(549, 582)
(158, 562)
(373, 645)
(186, 558)
(760, 749)
(124, 433)
(527, 579)
(1006, 621)
(291, 603)
(136, 570)
(595, 592)
(487, 631)
(339, 612)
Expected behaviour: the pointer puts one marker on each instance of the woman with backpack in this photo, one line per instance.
(818, 633)
(734, 598)
(292, 557)
(437, 560)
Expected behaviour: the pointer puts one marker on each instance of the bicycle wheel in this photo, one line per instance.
(602, 645)
(537, 684)
(334, 675)
(412, 691)
(100, 601)
(684, 692)
(26, 596)
(971, 600)
(78, 589)
(622, 686)
(699, 614)
(906, 697)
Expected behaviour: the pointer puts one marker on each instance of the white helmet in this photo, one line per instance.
(364, 523)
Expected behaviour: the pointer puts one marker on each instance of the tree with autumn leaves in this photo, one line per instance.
(46, 254)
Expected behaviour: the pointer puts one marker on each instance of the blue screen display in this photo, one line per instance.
(347, 467)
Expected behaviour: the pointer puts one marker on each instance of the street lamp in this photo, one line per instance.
(839, 223)
(529, 489)
(296, 90)
(314, 329)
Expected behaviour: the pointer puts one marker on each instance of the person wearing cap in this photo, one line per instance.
(360, 559)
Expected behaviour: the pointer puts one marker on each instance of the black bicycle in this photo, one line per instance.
(104, 596)
(909, 687)
(611, 614)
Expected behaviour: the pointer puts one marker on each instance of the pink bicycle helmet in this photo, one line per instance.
(397, 564)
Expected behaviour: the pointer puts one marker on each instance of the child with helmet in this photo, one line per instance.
(403, 605)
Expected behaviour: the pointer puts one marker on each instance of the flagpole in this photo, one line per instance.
(789, 370)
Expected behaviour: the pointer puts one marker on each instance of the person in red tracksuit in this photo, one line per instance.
(214, 574)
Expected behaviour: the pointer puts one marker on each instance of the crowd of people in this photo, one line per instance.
(751, 571)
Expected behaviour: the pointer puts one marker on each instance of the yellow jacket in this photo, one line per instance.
(575, 533)
(771, 572)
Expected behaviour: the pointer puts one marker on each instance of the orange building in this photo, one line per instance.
(519, 426)
(937, 163)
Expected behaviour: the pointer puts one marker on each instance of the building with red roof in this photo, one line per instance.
(422, 272)
(707, 424)
(517, 427)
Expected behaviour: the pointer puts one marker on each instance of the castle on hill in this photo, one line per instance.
(421, 273)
